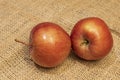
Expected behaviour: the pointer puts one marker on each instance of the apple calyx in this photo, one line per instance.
(84, 42)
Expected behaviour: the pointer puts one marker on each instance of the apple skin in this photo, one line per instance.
(91, 38)
(50, 44)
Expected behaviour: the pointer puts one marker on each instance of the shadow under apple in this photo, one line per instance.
(100, 64)
(60, 69)
(70, 62)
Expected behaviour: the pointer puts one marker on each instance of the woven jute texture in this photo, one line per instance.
(18, 17)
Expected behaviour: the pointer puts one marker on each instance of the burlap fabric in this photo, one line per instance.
(17, 18)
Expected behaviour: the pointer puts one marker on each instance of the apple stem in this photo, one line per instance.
(116, 32)
(22, 42)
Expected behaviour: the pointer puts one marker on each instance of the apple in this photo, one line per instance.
(50, 44)
(91, 38)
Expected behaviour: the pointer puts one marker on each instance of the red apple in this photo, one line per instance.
(91, 38)
(50, 44)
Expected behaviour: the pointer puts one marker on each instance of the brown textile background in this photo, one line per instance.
(17, 18)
